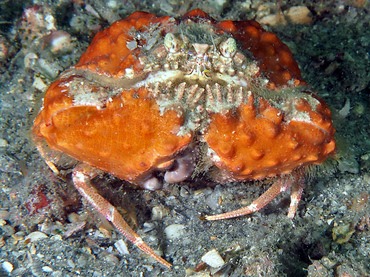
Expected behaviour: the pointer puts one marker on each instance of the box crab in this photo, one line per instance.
(156, 98)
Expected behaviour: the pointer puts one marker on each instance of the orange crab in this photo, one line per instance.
(158, 98)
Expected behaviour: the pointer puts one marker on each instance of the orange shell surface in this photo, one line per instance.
(264, 146)
(132, 125)
(108, 53)
(126, 138)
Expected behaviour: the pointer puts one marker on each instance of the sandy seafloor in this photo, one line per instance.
(333, 52)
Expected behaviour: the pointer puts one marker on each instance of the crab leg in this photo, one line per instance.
(42, 151)
(295, 181)
(295, 195)
(81, 179)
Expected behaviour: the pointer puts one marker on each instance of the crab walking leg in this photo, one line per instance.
(296, 194)
(43, 154)
(280, 185)
(81, 179)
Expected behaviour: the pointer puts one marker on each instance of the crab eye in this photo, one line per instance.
(171, 43)
(228, 48)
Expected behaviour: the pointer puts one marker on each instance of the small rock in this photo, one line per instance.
(70, 263)
(39, 84)
(57, 41)
(213, 259)
(349, 165)
(4, 214)
(110, 258)
(158, 212)
(47, 269)
(299, 15)
(359, 109)
(345, 269)
(97, 274)
(316, 269)
(18, 236)
(73, 217)
(8, 267)
(56, 237)
(344, 112)
(57, 274)
(367, 178)
(214, 199)
(121, 246)
(35, 236)
(3, 143)
(30, 60)
(174, 231)
(273, 20)
(81, 261)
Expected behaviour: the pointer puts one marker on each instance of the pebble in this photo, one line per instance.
(57, 41)
(345, 270)
(73, 217)
(70, 263)
(213, 259)
(367, 178)
(82, 261)
(35, 236)
(214, 199)
(3, 143)
(48, 69)
(121, 246)
(110, 258)
(158, 213)
(148, 226)
(349, 164)
(47, 269)
(7, 230)
(39, 84)
(299, 15)
(174, 231)
(29, 60)
(57, 274)
(344, 112)
(56, 237)
(273, 20)
(4, 214)
(359, 109)
(18, 236)
(8, 267)
(73, 228)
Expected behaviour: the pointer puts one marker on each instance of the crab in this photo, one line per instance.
(159, 99)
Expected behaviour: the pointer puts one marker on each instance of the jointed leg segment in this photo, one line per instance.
(295, 181)
(81, 179)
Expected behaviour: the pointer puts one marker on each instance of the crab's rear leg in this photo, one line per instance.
(81, 179)
(295, 181)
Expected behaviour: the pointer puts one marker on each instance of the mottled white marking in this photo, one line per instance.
(253, 207)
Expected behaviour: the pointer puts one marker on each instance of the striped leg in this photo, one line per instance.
(295, 181)
(296, 194)
(81, 179)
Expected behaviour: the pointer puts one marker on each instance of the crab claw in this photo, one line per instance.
(182, 169)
